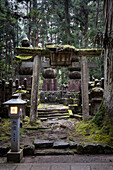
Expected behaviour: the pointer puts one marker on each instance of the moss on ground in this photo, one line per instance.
(97, 130)
(5, 130)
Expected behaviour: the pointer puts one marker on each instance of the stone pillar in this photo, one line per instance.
(96, 99)
(15, 135)
(74, 83)
(35, 88)
(49, 82)
(84, 88)
(50, 85)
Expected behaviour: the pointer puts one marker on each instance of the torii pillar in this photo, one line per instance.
(37, 53)
(35, 88)
(84, 87)
(84, 53)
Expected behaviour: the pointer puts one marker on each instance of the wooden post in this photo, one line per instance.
(84, 88)
(35, 87)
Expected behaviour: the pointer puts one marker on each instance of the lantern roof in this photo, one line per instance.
(16, 100)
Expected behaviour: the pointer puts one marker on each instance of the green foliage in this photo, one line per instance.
(51, 21)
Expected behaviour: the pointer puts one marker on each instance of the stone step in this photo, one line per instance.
(53, 152)
(43, 143)
(60, 145)
(53, 110)
(60, 117)
(53, 115)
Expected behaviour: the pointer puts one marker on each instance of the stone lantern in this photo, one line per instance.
(15, 111)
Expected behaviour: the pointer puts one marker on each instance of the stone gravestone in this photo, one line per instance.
(50, 81)
(49, 93)
(96, 99)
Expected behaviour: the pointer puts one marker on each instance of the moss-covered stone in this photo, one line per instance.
(26, 52)
(23, 57)
(98, 119)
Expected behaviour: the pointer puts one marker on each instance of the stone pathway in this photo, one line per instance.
(76, 162)
(80, 166)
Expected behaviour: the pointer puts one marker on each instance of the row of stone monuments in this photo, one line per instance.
(50, 92)
(68, 93)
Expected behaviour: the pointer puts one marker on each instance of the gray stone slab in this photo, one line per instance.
(54, 152)
(40, 167)
(24, 167)
(73, 145)
(101, 167)
(8, 167)
(77, 167)
(43, 143)
(60, 145)
(60, 167)
(27, 64)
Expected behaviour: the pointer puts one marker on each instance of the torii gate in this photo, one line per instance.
(63, 55)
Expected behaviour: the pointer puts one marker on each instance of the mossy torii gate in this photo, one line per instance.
(63, 55)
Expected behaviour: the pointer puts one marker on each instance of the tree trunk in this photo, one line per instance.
(6, 59)
(12, 64)
(29, 28)
(108, 56)
(86, 27)
(67, 20)
(97, 11)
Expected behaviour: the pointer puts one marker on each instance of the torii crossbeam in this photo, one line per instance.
(58, 54)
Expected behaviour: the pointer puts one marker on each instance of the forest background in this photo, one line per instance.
(75, 22)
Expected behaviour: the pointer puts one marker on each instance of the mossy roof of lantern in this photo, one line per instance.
(23, 57)
(25, 53)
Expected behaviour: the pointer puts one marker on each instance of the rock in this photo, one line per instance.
(73, 145)
(63, 126)
(28, 150)
(63, 137)
(43, 143)
(100, 149)
(4, 150)
(60, 145)
(108, 149)
(90, 149)
(80, 149)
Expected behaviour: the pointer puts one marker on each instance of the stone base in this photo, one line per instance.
(74, 85)
(15, 156)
